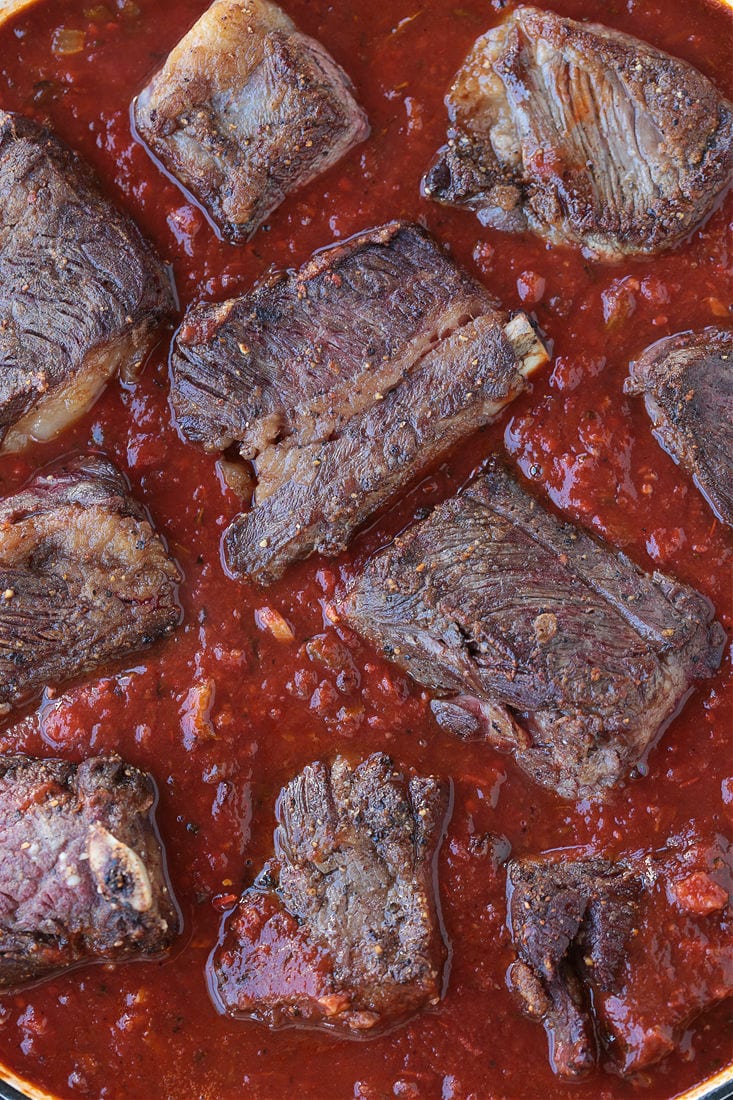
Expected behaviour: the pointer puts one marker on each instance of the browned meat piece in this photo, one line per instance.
(687, 382)
(80, 290)
(341, 929)
(534, 635)
(84, 578)
(82, 873)
(583, 135)
(247, 109)
(568, 920)
(341, 382)
(631, 951)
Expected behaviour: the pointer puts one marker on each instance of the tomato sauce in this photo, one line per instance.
(224, 713)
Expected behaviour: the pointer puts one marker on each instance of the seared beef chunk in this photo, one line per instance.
(84, 578)
(534, 635)
(80, 290)
(245, 110)
(631, 951)
(341, 929)
(583, 135)
(569, 920)
(81, 867)
(341, 382)
(687, 382)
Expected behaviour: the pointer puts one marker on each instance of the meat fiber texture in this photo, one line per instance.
(341, 382)
(245, 110)
(341, 930)
(583, 135)
(82, 872)
(687, 383)
(81, 292)
(534, 635)
(629, 952)
(84, 578)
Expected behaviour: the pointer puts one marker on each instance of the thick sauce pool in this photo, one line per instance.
(224, 713)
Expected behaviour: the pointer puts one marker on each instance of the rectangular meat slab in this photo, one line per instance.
(627, 951)
(81, 291)
(341, 382)
(583, 135)
(82, 872)
(687, 384)
(247, 109)
(84, 578)
(534, 635)
(341, 930)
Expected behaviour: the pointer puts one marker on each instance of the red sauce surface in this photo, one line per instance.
(149, 1031)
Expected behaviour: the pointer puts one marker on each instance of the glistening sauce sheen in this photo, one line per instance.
(148, 1032)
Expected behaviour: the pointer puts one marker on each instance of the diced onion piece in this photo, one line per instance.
(718, 308)
(270, 619)
(99, 13)
(196, 713)
(67, 42)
